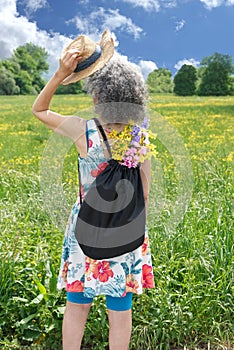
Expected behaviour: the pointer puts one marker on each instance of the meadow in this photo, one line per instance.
(190, 228)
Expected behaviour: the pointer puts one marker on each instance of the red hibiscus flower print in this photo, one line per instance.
(100, 168)
(90, 143)
(100, 269)
(145, 247)
(147, 276)
(76, 286)
(105, 271)
(131, 284)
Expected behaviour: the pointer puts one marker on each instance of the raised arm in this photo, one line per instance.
(70, 126)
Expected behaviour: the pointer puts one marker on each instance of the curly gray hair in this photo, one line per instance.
(119, 90)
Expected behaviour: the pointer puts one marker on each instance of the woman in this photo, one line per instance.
(110, 81)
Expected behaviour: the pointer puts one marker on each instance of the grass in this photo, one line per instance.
(190, 224)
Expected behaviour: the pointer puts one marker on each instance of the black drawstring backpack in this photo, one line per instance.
(111, 220)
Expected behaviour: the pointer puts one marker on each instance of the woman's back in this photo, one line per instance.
(130, 272)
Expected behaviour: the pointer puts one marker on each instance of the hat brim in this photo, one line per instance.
(107, 45)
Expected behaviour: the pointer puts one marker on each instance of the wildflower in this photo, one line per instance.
(145, 123)
(132, 145)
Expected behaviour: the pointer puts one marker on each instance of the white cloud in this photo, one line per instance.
(157, 5)
(209, 4)
(170, 3)
(180, 25)
(190, 61)
(17, 30)
(147, 67)
(34, 5)
(148, 5)
(105, 18)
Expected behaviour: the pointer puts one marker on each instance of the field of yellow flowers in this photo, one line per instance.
(190, 227)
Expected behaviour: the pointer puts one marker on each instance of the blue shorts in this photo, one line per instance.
(112, 303)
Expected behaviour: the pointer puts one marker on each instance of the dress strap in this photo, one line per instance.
(98, 124)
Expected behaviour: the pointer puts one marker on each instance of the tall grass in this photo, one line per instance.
(191, 306)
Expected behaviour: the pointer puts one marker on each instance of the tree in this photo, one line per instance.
(11, 66)
(215, 75)
(185, 81)
(232, 85)
(225, 60)
(75, 88)
(24, 82)
(7, 83)
(32, 62)
(215, 80)
(160, 81)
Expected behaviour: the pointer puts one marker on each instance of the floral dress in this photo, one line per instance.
(130, 272)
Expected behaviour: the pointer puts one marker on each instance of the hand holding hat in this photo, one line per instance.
(83, 57)
(68, 62)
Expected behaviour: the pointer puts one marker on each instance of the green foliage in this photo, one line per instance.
(185, 81)
(160, 81)
(10, 65)
(231, 85)
(26, 65)
(7, 83)
(215, 75)
(75, 88)
(215, 80)
(225, 60)
(191, 306)
(24, 81)
(31, 58)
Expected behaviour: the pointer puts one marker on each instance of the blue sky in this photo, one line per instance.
(151, 33)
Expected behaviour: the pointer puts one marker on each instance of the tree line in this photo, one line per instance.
(214, 77)
(22, 74)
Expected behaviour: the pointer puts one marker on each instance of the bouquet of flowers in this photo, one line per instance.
(133, 145)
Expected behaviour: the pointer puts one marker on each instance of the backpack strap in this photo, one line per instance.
(79, 183)
(103, 135)
(99, 126)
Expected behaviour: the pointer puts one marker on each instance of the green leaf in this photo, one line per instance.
(41, 288)
(53, 284)
(25, 320)
(38, 299)
(23, 300)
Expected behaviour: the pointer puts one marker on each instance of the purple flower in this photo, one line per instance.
(137, 138)
(145, 123)
(135, 131)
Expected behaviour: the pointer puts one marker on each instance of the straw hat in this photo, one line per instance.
(93, 55)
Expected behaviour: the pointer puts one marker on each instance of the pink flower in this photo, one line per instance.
(135, 144)
(133, 150)
(126, 162)
(143, 150)
(146, 140)
(136, 158)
